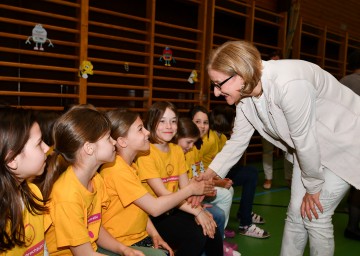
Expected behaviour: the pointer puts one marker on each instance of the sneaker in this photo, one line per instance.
(257, 219)
(230, 245)
(230, 252)
(267, 184)
(253, 231)
(229, 233)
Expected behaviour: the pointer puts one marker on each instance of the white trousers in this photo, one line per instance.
(320, 232)
(223, 200)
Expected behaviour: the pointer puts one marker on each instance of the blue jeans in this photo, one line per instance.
(247, 177)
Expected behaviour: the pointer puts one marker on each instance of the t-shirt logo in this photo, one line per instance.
(169, 169)
(30, 234)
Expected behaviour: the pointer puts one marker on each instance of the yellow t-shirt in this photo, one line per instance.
(221, 141)
(194, 162)
(165, 165)
(209, 148)
(123, 219)
(34, 232)
(75, 213)
(50, 150)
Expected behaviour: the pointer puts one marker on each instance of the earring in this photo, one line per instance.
(242, 91)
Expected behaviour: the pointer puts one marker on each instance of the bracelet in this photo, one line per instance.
(200, 212)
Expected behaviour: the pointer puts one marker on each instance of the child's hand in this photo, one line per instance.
(205, 219)
(195, 201)
(160, 243)
(205, 206)
(211, 194)
(224, 183)
(229, 183)
(202, 187)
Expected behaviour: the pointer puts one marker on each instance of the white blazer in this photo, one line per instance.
(315, 117)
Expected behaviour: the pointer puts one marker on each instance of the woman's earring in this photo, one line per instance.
(242, 91)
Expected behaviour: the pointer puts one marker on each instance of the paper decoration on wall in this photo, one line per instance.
(167, 56)
(39, 36)
(86, 68)
(126, 66)
(193, 77)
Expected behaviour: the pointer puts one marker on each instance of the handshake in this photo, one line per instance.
(204, 185)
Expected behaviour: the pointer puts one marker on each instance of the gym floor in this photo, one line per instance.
(271, 205)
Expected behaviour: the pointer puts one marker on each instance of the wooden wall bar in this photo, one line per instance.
(125, 42)
(38, 79)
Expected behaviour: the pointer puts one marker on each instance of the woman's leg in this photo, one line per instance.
(295, 235)
(319, 231)
(287, 170)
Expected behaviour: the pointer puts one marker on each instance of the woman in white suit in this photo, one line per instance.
(306, 112)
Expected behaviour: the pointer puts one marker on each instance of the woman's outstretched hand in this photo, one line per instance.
(207, 175)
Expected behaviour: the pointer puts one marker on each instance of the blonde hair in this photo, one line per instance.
(238, 57)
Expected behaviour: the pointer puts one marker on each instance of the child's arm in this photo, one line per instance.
(168, 200)
(108, 242)
(208, 224)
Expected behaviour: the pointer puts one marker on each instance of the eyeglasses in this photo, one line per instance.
(218, 85)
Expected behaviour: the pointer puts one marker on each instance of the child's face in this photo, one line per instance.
(202, 122)
(105, 149)
(31, 161)
(138, 136)
(167, 127)
(187, 143)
